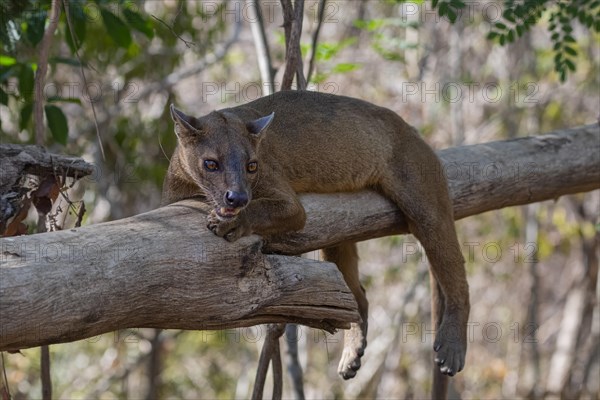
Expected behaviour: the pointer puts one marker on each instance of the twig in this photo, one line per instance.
(187, 43)
(315, 37)
(40, 75)
(532, 237)
(262, 45)
(5, 388)
(75, 40)
(210, 59)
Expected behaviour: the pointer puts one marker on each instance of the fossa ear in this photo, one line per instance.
(258, 126)
(184, 124)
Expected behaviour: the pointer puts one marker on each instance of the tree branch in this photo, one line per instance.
(292, 24)
(173, 78)
(315, 38)
(164, 269)
(40, 75)
(261, 44)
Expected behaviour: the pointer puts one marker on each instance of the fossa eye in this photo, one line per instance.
(211, 165)
(252, 167)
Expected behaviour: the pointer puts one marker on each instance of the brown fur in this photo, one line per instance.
(325, 143)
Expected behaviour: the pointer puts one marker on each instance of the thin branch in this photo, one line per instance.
(261, 45)
(75, 40)
(208, 60)
(277, 369)
(4, 389)
(45, 372)
(40, 75)
(294, 368)
(292, 24)
(315, 37)
(187, 43)
(296, 35)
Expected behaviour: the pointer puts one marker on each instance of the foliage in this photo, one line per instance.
(519, 16)
(23, 29)
(387, 41)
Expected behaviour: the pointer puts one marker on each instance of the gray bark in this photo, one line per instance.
(164, 269)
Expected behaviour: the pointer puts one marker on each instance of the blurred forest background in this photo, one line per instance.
(533, 270)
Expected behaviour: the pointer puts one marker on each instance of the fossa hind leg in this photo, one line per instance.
(345, 257)
(425, 201)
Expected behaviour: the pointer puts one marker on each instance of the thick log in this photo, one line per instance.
(161, 269)
(164, 269)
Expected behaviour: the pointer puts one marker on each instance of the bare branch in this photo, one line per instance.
(173, 78)
(315, 38)
(40, 74)
(261, 44)
(75, 40)
(187, 43)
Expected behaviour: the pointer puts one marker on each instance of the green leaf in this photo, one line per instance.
(558, 58)
(569, 38)
(116, 28)
(6, 72)
(570, 64)
(510, 36)
(570, 50)
(434, 3)
(345, 67)
(7, 61)
(77, 27)
(500, 26)
(451, 15)
(563, 75)
(508, 15)
(26, 112)
(35, 24)
(57, 122)
(26, 81)
(502, 40)
(571, 9)
(443, 9)
(519, 11)
(520, 30)
(589, 21)
(492, 35)
(137, 22)
(3, 97)
(457, 4)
